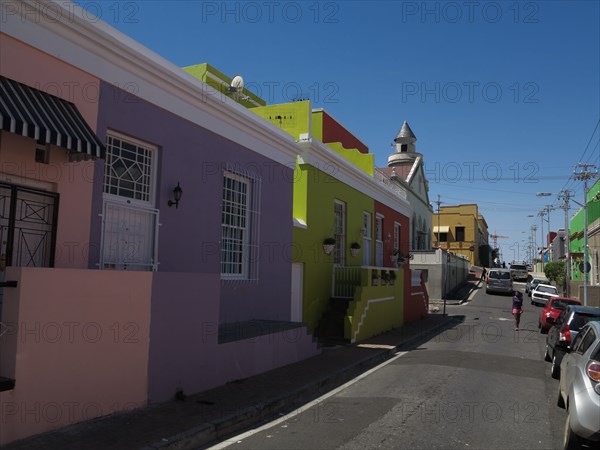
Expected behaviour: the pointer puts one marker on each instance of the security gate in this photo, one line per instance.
(28, 219)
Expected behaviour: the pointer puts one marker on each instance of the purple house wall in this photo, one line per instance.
(189, 299)
(189, 236)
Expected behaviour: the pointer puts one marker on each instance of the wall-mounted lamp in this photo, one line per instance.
(177, 191)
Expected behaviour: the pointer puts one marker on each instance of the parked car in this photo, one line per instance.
(542, 293)
(579, 390)
(499, 280)
(553, 309)
(518, 271)
(531, 285)
(563, 331)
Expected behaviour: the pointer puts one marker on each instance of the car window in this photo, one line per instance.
(547, 289)
(561, 318)
(518, 267)
(586, 341)
(577, 341)
(500, 275)
(579, 320)
(562, 304)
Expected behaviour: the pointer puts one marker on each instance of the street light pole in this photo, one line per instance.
(585, 175)
(566, 195)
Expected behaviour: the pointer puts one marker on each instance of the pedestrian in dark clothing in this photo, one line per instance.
(483, 274)
(517, 308)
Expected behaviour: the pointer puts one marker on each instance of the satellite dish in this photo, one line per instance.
(237, 84)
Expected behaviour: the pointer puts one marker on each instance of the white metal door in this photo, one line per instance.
(297, 280)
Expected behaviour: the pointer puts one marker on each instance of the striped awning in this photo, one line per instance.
(442, 229)
(48, 119)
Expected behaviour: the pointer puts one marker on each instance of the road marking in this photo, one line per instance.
(302, 409)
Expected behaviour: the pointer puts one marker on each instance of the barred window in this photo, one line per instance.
(128, 169)
(239, 226)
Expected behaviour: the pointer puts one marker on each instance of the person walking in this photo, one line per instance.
(483, 273)
(517, 308)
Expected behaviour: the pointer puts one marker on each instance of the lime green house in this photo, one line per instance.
(337, 290)
(576, 236)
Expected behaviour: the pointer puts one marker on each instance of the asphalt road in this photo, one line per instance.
(480, 384)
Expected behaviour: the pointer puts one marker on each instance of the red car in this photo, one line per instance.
(552, 309)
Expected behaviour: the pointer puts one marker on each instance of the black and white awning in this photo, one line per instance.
(47, 119)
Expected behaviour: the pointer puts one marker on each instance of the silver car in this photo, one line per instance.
(579, 389)
(499, 280)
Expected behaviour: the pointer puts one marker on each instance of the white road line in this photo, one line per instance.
(302, 409)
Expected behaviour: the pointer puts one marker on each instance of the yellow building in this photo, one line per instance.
(461, 229)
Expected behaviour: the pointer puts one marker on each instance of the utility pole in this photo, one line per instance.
(541, 214)
(438, 202)
(533, 243)
(587, 172)
(566, 195)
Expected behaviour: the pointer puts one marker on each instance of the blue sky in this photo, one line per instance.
(503, 96)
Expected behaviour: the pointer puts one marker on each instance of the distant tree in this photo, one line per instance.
(555, 271)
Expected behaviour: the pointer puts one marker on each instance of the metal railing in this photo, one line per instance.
(345, 280)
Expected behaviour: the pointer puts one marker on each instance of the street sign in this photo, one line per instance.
(585, 269)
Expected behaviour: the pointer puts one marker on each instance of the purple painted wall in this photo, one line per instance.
(183, 334)
(189, 236)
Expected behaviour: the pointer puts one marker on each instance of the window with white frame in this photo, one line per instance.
(129, 169)
(339, 211)
(239, 226)
(397, 236)
(367, 240)
(129, 219)
(378, 240)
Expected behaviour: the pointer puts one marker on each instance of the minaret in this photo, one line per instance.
(404, 142)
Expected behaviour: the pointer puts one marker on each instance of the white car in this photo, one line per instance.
(541, 294)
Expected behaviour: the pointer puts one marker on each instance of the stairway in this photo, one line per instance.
(330, 330)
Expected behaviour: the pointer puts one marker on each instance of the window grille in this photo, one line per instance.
(240, 225)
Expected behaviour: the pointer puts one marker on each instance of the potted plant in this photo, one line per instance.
(354, 248)
(328, 245)
(385, 277)
(374, 278)
(392, 277)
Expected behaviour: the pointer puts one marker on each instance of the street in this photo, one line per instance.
(479, 384)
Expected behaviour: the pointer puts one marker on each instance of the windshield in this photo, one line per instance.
(562, 304)
(547, 289)
(518, 267)
(500, 275)
(579, 320)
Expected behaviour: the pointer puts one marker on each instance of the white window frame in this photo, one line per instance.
(250, 231)
(367, 239)
(379, 218)
(339, 230)
(397, 234)
(134, 221)
(152, 173)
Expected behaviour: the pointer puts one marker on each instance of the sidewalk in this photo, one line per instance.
(463, 291)
(202, 418)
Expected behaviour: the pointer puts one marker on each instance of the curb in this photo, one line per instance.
(223, 427)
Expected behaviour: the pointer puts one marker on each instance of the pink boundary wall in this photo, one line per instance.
(76, 344)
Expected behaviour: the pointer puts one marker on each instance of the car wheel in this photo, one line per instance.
(547, 355)
(555, 368)
(560, 402)
(571, 440)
